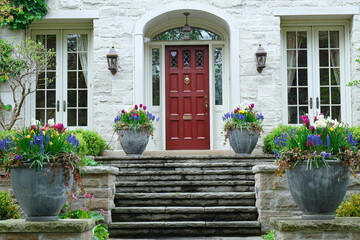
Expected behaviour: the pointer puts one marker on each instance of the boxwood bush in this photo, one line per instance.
(90, 142)
(350, 207)
(8, 209)
(269, 140)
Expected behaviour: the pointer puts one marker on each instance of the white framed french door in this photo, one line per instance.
(63, 91)
(314, 73)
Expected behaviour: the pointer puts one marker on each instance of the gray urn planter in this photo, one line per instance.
(133, 142)
(40, 200)
(241, 141)
(318, 191)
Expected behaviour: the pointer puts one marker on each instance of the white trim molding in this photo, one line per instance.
(72, 14)
(166, 11)
(316, 12)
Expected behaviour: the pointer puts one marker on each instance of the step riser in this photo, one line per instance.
(183, 232)
(123, 217)
(184, 177)
(186, 189)
(184, 202)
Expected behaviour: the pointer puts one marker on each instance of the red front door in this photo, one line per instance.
(187, 97)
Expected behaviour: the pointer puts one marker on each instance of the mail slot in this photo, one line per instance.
(187, 117)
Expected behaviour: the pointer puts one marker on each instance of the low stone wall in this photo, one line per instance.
(298, 229)
(100, 181)
(68, 229)
(279, 203)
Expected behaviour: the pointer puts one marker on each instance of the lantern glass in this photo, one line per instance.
(261, 60)
(112, 60)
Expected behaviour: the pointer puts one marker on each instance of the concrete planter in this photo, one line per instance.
(241, 141)
(40, 200)
(133, 142)
(319, 191)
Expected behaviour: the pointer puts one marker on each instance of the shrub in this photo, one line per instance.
(8, 209)
(95, 144)
(350, 207)
(269, 236)
(269, 140)
(82, 149)
(356, 133)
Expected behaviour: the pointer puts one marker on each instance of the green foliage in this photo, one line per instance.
(269, 143)
(100, 232)
(95, 144)
(89, 162)
(19, 14)
(269, 236)
(135, 118)
(81, 213)
(356, 134)
(350, 207)
(8, 209)
(82, 149)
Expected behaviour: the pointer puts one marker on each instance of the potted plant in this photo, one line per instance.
(42, 164)
(317, 159)
(242, 128)
(134, 127)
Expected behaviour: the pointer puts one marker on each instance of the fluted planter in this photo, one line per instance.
(241, 141)
(40, 200)
(318, 191)
(133, 142)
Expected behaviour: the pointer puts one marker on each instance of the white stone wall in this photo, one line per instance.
(256, 24)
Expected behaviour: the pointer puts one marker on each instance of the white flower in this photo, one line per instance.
(242, 106)
(34, 121)
(320, 123)
(51, 122)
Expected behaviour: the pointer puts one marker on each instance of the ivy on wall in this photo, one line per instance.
(19, 14)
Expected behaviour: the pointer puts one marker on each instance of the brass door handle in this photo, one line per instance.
(206, 105)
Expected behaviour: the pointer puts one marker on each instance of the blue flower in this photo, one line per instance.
(277, 141)
(18, 157)
(325, 154)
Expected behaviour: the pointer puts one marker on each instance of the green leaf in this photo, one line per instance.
(7, 107)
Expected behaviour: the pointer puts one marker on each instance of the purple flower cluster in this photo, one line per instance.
(72, 140)
(260, 116)
(117, 118)
(152, 116)
(5, 143)
(351, 140)
(315, 140)
(325, 154)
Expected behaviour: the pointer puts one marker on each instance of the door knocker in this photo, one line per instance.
(187, 80)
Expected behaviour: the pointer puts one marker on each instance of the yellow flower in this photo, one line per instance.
(13, 138)
(44, 133)
(331, 129)
(65, 142)
(241, 111)
(345, 138)
(28, 136)
(17, 139)
(50, 143)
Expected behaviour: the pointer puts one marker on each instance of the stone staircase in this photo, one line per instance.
(183, 196)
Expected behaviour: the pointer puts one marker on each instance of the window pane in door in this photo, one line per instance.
(77, 82)
(45, 94)
(155, 77)
(218, 76)
(334, 39)
(297, 75)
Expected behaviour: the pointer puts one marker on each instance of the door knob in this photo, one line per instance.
(187, 80)
(206, 105)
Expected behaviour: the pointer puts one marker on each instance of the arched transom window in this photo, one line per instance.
(177, 34)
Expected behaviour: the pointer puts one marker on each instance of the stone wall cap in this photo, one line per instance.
(264, 168)
(101, 170)
(296, 224)
(59, 226)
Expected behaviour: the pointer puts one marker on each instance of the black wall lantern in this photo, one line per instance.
(112, 60)
(260, 58)
(186, 28)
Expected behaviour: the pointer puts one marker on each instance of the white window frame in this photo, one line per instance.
(61, 71)
(314, 88)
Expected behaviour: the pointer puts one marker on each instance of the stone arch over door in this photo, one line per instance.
(199, 10)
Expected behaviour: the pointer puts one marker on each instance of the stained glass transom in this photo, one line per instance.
(199, 59)
(177, 34)
(186, 59)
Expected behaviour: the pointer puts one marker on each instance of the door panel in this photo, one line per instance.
(187, 93)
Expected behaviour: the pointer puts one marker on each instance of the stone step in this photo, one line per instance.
(185, 199)
(225, 213)
(186, 186)
(184, 229)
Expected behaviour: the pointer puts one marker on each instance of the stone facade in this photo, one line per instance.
(70, 229)
(297, 229)
(279, 203)
(254, 22)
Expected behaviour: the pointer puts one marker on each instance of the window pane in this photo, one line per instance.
(302, 77)
(72, 42)
(82, 98)
(50, 113)
(291, 58)
(293, 116)
(72, 98)
(303, 95)
(156, 77)
(186, 59)
(82, 80)
(71, 61)
(292, 96)
(323, 39)
(82, 117)
(324, 58)
(335, 76)
(71, 80)
(51, 42)
(291, 40)
(40, 115)
(334, 39)
(71, 115)
(40, 98)
(302, 40)
(292, 77)
(173, 59)
(336, 112)
(50, 99)
(302, 61)
(82, 64)
(334, 58)
(325, 110)
(199, 59)
(218, 75)
(324, 95)
(335, 95)
(324, 77)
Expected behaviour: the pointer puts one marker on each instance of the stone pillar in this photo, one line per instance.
(296, 229)
(65, 229)
(99, 181)
(270, 202)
